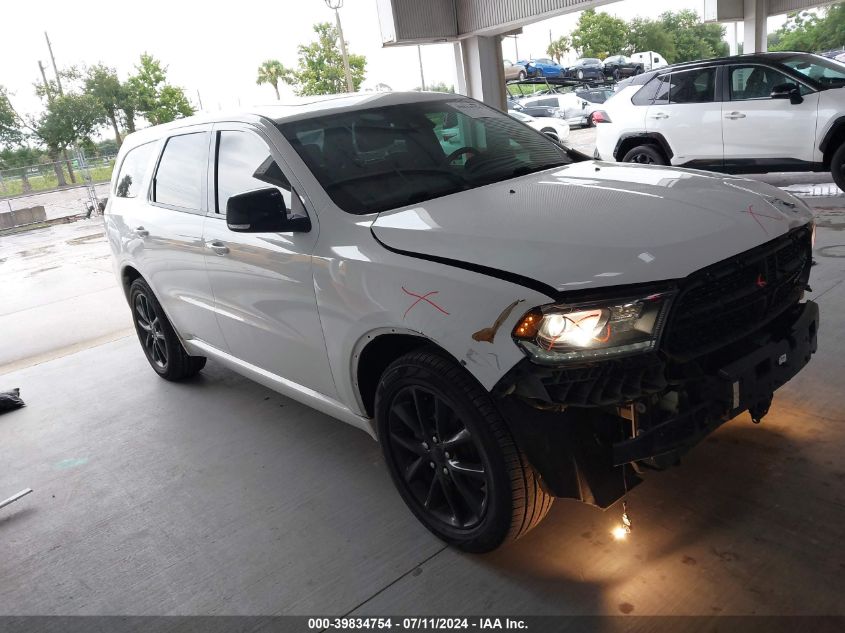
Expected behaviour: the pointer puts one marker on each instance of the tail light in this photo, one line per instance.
(600, 116)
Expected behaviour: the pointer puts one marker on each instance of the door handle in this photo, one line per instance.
(218, 247)
(735, 115)
(140, 231)
(659, 115)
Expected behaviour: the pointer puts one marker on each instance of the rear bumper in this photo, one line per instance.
(579, 451)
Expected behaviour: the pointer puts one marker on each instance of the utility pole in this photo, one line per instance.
(47, 90)
(422, 76)
(337, 4)
(199, 98)
(55, 68)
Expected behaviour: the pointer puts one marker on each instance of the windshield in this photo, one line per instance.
(376, 159)
(820, 69)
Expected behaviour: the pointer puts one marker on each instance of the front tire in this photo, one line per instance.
(645, 155)
(451, 456)
(161, 346)
(837, 167)
(521, 75)
(617, 74)
(580, 74)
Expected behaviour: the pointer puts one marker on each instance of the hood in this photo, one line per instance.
(593, 224)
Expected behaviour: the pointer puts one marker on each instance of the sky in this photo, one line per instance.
(213, 52)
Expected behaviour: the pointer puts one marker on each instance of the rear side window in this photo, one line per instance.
(133, 170)
(244, 164)
(547, 103)
(693, 86)
(178, 180)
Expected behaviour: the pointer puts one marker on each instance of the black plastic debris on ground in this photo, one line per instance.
(11, 400)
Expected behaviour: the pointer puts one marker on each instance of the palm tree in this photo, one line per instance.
(272, 72)
(559, 48)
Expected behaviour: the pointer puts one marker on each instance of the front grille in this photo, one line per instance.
(733, 298)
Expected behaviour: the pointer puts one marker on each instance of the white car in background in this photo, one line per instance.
(555, 129)
(756, 113)
(576, 107)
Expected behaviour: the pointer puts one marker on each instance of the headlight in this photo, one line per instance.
(588, 331)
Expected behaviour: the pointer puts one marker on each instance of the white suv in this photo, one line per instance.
(512, 322)
(746, 114)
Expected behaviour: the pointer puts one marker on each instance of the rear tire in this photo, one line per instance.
(521, 75)
(617, 74)
(452, 457)
(645, 155)
(161, 346)
(580, 74)
(837, 167)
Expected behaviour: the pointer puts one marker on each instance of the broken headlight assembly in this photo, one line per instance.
(594, 330)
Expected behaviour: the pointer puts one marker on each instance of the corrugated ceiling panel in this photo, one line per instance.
(476, 15)
(424, 19)
(783, 6)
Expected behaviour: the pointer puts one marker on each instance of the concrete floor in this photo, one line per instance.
(220, 497)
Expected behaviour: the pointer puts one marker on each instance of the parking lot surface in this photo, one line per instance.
(218, 496)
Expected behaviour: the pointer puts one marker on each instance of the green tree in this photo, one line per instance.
(599, 34)
(11, 131)
(102, 83)
(437, 86)
(559, 47)
(68, 119)
(811, 31)
(693, 38)
(649, 35)
(272, 72)
(154, 98)
(320, 68)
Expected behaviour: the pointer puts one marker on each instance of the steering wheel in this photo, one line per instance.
(459, 152)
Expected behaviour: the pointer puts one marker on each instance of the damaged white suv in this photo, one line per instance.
(512, 322)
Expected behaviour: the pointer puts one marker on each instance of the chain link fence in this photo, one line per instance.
(48, 176)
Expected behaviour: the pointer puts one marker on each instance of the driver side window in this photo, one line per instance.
(757, 82)
(244, 164)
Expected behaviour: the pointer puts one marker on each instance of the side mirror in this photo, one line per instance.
(787, 91)
(262, 211)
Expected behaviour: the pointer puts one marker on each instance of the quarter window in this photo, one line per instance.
(133, 170)
(244, 164)
(178, 180)
(645, 95)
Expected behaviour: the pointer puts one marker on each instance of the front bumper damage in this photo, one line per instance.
(644, 412)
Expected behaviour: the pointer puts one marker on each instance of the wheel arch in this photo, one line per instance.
(128, 274)
(375, 351)
(627, 142)
(833, 138)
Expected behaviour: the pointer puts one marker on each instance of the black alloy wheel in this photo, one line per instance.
(442, 465)
(451, 455)
(645, 155)
(161, 345)
(837, 167)
(152, 337)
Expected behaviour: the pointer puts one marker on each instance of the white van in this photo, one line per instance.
(649, 60)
